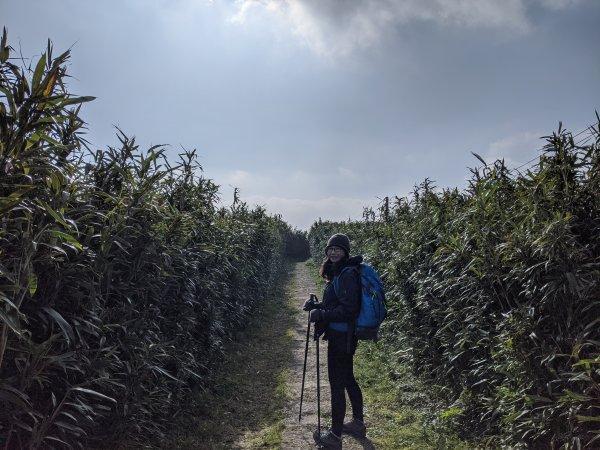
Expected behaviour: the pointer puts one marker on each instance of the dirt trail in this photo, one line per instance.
(253, 400)
(299, 435)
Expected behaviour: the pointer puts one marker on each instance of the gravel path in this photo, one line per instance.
(299, 435)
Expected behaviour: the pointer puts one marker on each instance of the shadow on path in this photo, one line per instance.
(243, 406)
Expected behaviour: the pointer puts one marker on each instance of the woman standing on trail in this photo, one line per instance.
(335, 317)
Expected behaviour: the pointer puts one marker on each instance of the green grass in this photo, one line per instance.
(244, 406)
(399, 412)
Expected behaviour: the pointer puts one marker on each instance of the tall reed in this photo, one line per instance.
(121, 277)
(494, 294)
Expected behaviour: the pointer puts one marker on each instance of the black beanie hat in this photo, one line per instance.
(339, 240)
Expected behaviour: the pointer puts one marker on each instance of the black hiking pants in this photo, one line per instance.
(341, 380)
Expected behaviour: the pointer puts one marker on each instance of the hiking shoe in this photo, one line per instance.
(328, 440)
(355, 428)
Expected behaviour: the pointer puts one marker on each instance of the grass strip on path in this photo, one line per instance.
(243, 408)
(399, 410)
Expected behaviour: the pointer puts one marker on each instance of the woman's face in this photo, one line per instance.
(335, 254)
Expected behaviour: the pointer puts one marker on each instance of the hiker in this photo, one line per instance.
(335, 317)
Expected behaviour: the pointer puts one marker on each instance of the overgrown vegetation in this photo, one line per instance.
(494, 295)
(120, 276)
(296, 245)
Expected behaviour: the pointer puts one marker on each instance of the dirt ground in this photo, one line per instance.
(299, 435)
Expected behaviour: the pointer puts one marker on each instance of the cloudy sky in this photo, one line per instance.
(316, 108)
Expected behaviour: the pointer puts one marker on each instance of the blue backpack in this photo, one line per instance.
(372, 306)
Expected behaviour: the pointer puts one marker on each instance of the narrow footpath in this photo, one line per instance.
(252, 401)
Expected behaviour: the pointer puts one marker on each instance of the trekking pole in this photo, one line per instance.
(304, 370)
(318, 386)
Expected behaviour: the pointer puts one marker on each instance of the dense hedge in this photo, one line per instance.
(120, 276)
(494, 293)
(296, 245)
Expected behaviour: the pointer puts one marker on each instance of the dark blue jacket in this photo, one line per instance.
(345, 305)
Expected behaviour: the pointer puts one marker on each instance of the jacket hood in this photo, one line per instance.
(354, 261)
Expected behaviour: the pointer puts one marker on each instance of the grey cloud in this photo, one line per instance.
(559, 4)
(338, 27)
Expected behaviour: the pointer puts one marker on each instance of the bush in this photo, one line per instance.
(120, 277)
(495, 294)
(296, 245)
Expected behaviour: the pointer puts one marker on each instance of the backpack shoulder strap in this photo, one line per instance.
(336, 279)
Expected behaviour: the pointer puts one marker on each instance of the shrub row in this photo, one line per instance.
(296, 245)
(121, 277)
(494, 294)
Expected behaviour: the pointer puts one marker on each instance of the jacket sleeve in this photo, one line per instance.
(349, 296)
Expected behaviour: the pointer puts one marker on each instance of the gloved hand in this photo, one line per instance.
(311, 303)
(316, 315)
